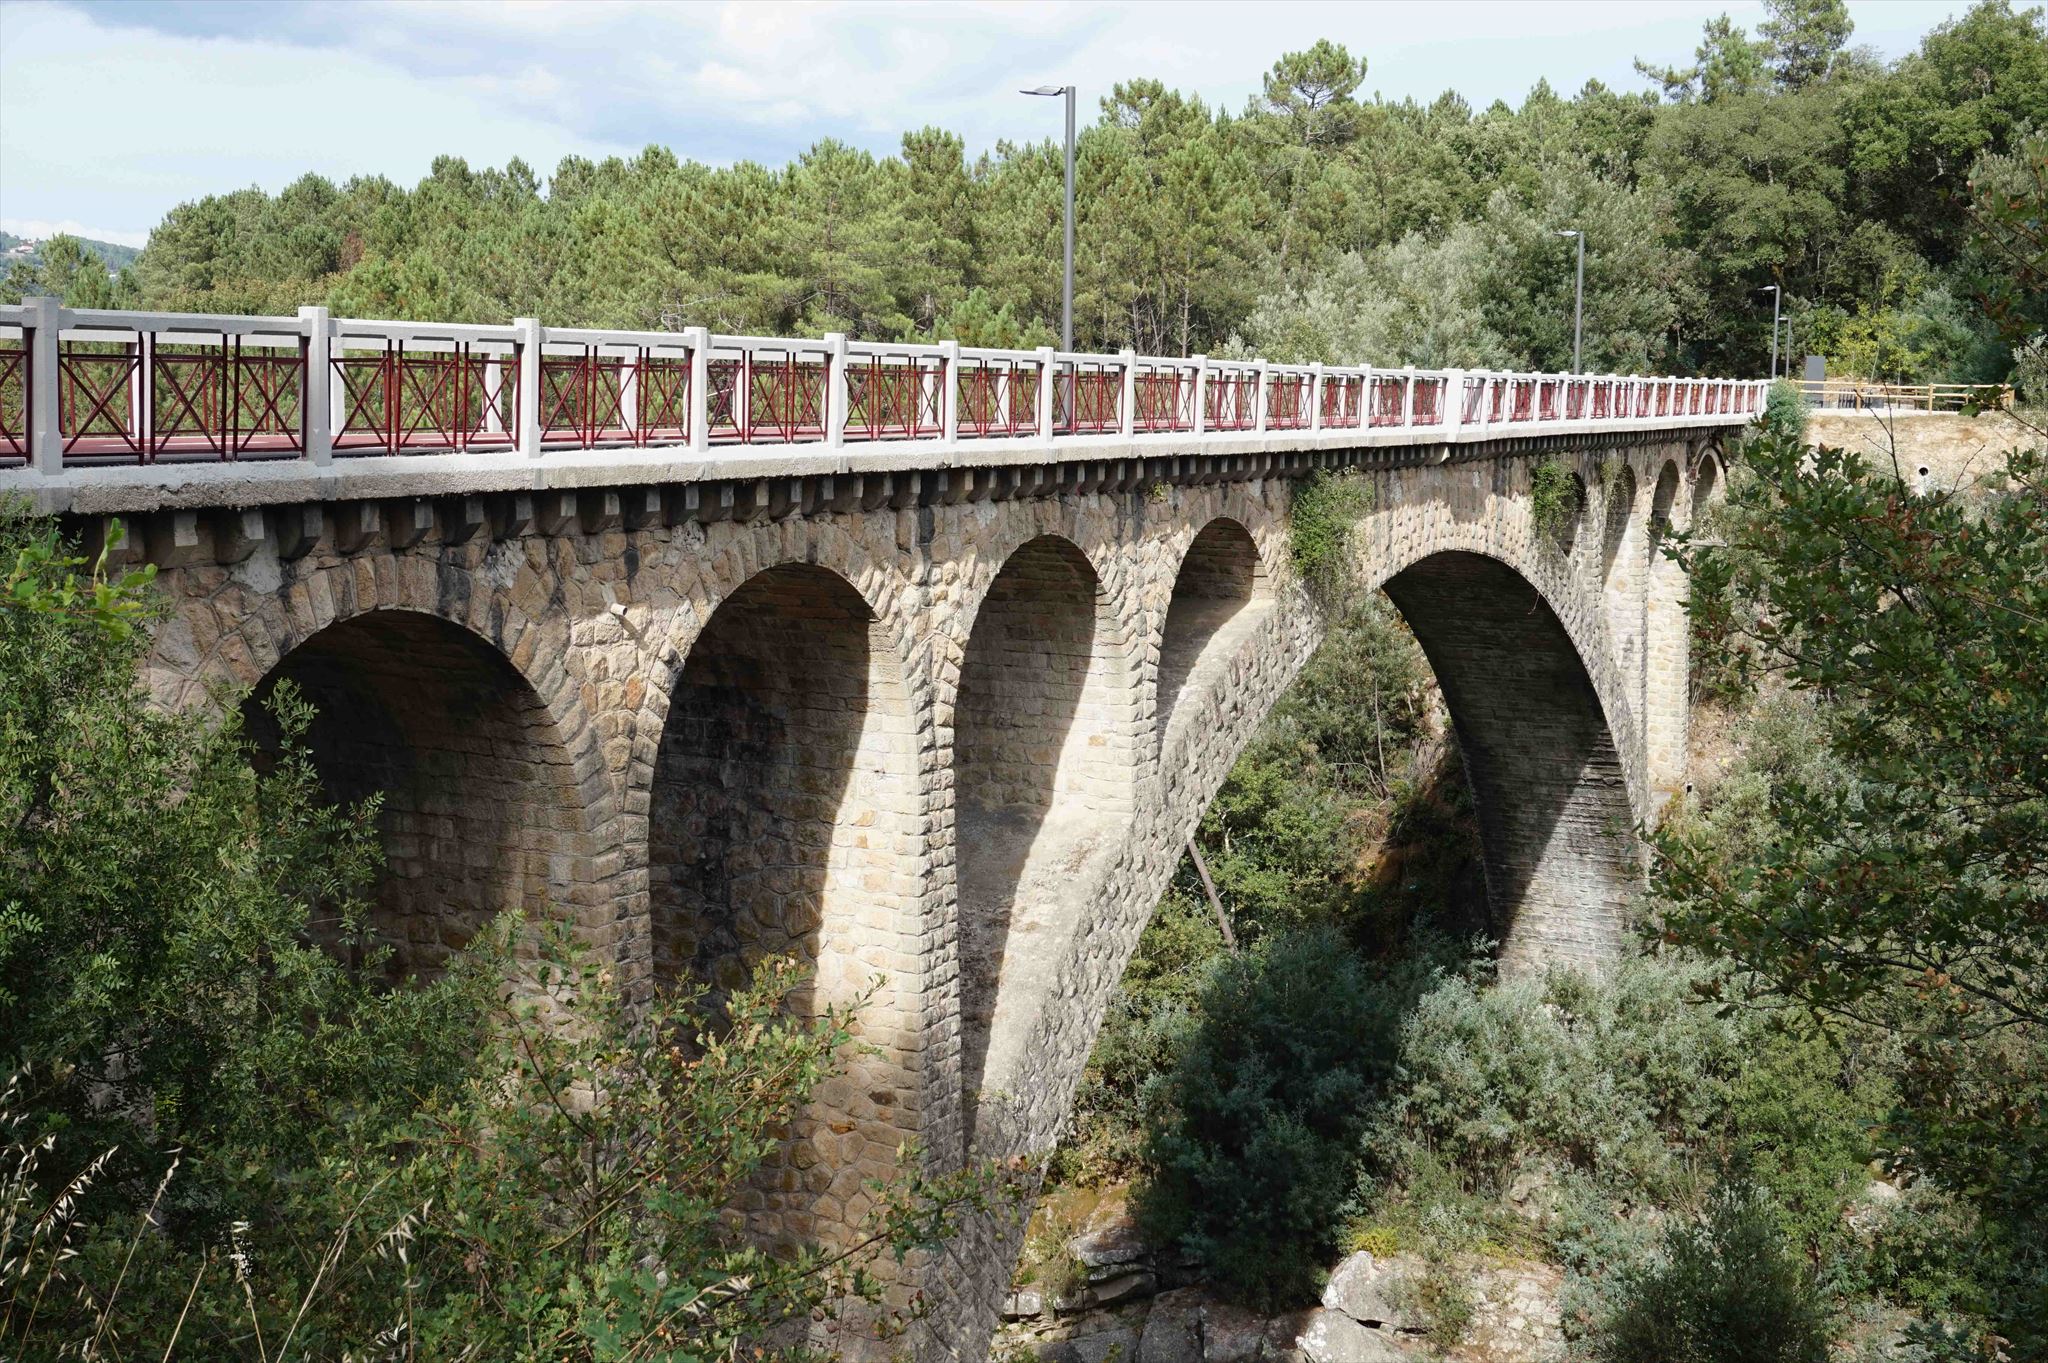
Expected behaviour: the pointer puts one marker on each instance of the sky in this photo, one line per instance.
(114, 111)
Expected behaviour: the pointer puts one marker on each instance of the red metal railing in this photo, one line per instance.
(1087, 396)
(135, 400)
(895, 397)
(998, 397)
(1389, 403)
(1428, 407)
(1473, 401)
(15, 373)
(399, 401)
(766, 396)
(1165, 398)
(1290, 401)
(1343, 400)
(1231, 402)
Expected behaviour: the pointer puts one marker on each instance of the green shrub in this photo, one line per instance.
(1720, 1290)
(1327, 507)
(1252, 1154)
(1614, 1077)
(1785, 410)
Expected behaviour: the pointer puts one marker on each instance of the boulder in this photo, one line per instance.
(1333, 1337)
(1369, 1290)
(1173, 1330)
(1024, 1304)
(1231, 1334)
(1125, 1287)
(1109, 1238)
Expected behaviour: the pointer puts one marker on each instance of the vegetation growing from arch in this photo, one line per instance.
(1325, 511)
(1555, 501)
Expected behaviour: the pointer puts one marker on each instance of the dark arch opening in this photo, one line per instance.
(783, 820)
(1042, 778)
(1548, 784)
(1218, 599)
(1705, 483)
(480, 813)
(1662, 500)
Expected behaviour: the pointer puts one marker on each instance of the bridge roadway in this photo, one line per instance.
(918, 662)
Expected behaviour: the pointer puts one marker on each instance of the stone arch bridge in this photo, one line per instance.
(935, 708)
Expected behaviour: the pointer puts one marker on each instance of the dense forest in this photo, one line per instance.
(1313, 223)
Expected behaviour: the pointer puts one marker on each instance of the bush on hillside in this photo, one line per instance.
(1723, 1289)
(1253, 1148)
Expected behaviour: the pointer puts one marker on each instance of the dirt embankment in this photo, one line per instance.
(1955, 450)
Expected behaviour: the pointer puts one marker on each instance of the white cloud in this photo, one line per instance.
(116, 114)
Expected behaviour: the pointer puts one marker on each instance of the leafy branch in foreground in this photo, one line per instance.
(1895, 871)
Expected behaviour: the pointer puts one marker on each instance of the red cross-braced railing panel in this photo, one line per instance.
(1472, 402)
(1164, 397)
(1389, 399)
(1087, 396)
(1523, 406)
(998, 397)
(661, 397)
(1603, 399)
(895, 397)
(767, 396)
(1429, 401)
(1290, 402)
(1497, 408)
(99, 399)
(1232, 400)
(1574, 399)
(399, 401)
(585, 399)
(1343, 400)
(225, 401)
(14, 386)
(1549, 395)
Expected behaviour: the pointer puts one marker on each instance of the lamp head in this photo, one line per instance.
(1047, 90)
(1567, 232)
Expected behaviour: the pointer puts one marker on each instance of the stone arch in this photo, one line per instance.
(482, 809)
(1219, 597)
(784, 820)
(1549, 779)
(1043, 775)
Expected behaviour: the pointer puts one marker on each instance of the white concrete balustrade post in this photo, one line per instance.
(1451, 406)
(1315, 396)
(949, 391)
(42, 317)
(1259, 399)
(318, 396)
(1048, 375)
(1201, 421)
(530, 338)
(1129, 407)
(1408, 396)
(698, 339)
(837, 389)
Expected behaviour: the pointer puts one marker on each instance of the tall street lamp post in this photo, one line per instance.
(1777, 297)
(1067, 288)
(1578, 301)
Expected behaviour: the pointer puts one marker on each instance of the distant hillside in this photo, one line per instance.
(116, 256)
